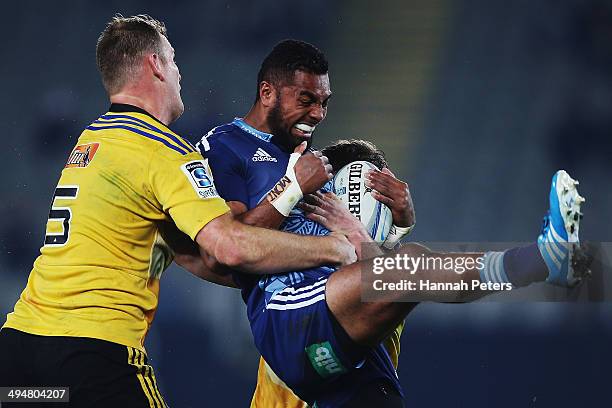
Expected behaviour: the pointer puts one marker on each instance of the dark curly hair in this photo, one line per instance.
(342, 152)
(287, 57)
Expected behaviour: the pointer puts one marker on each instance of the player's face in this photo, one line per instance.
(173, 79)
(299, 108)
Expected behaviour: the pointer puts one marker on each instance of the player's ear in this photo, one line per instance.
(153, 61)
(267, 94)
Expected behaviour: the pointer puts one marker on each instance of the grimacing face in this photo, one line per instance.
(299, 108)
(173, 79)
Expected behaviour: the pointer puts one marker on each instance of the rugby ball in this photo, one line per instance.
(349, 186)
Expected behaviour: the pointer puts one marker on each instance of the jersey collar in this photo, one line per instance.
(266, 137)
(124, 107)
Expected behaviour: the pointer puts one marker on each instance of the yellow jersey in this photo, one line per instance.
(98, 272)
(272, 392)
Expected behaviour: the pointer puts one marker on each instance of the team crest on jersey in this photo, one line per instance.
(200, 178)
(82, 155)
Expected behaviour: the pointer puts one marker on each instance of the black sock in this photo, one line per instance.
(525, 265)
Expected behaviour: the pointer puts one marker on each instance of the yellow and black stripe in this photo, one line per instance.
(99, 373)
(141, 127)
(146, 377)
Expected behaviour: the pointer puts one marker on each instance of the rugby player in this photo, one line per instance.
(91, 296)
(310, 325)
(271, 391)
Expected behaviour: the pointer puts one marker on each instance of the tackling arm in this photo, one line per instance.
(234, 241)
(264, 215)
(188, 256)
(251, 249)
(265, 251)
(227, 240)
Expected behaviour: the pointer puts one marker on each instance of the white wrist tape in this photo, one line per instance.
(287, 192)
(395, 235)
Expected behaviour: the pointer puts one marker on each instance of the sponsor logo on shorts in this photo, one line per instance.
(82, 155)
(201, 179)
(324, 360)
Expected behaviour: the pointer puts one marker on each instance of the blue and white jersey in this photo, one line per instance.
(246, 164)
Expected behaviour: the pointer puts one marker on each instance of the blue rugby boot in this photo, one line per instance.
(559, 236)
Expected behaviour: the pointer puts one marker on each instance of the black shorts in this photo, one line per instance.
(99, 373)
(379, 394)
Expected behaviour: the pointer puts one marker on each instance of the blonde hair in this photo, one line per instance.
(121, 45)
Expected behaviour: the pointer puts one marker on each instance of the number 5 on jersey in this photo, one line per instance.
(59, 215)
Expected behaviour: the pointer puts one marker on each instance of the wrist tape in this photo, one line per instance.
(287, 192)
(395, 235)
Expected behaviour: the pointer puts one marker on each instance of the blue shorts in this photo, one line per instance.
(302, 342)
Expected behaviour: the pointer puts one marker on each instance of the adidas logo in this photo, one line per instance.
(261, 155)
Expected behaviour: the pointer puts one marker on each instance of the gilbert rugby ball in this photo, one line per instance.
(349, 186)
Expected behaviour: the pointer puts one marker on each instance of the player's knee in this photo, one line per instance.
(375, 322)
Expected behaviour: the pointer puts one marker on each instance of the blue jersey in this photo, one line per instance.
(246, 164)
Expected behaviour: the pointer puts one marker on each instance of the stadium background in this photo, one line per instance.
(476, 104)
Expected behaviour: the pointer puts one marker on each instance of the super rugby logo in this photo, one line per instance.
(82, 155)
(200, 179)
(279, 188)
(354, 190)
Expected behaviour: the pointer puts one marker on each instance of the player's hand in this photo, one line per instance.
(394, 193)
(329, 211)
(312, 170)
(347, 251)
